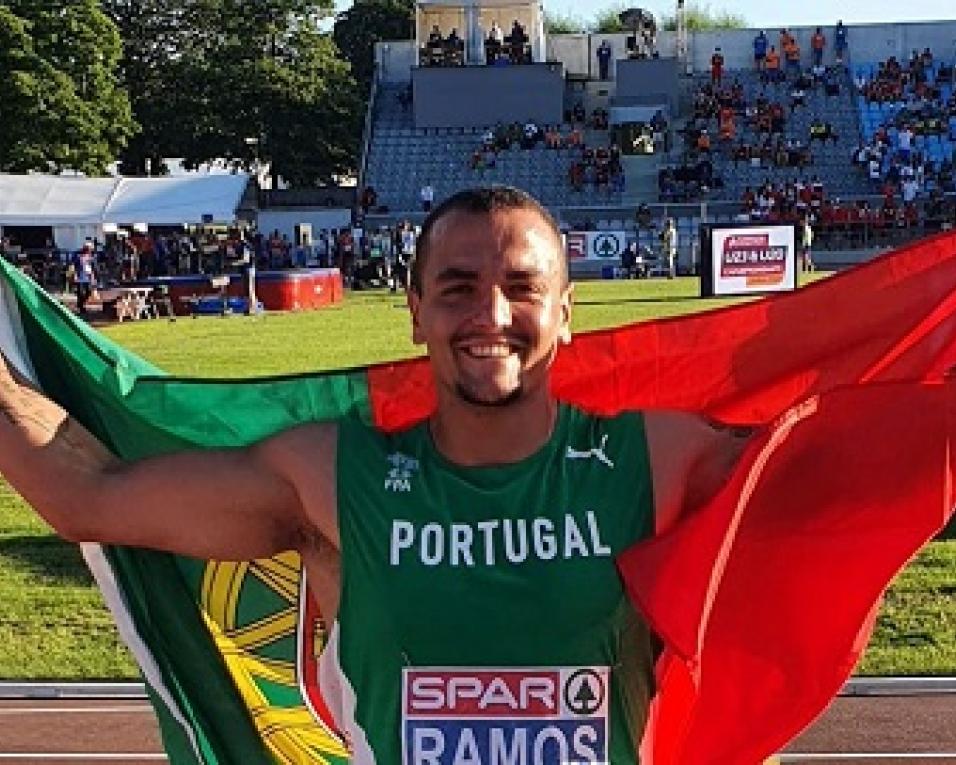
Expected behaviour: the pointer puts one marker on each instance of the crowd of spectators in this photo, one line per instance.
(130, 257)
(914, 80)
(441, 50)
(911, 153)
(513, 48)
(500, 49)
(599, 167)
(729, 124)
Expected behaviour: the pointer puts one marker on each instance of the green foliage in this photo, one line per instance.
(60, 104)
(367, 22)
(250, 83)
(608, 20)
(700, 18)
(562, 24)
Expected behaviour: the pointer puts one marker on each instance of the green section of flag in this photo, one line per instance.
(137, 412)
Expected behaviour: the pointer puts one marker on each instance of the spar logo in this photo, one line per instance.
(576, 244)
(508, 716)
(754, 258)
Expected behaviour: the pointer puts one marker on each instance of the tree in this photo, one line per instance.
(700, 18)
(562, 24)
(62, 106)
(245, 82)
(608, 21)
(367, 22)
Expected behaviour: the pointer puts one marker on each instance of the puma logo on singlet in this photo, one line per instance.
(597, 452)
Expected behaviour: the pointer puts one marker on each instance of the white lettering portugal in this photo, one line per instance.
(506, 540)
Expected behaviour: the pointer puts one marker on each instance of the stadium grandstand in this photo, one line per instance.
(851, 128)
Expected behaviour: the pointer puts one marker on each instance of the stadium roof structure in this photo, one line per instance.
(53, 200)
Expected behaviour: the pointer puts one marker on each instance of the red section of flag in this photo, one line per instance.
(764, 597)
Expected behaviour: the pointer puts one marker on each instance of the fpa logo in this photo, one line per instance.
(605, 246)
(504, 716)
(400, 472)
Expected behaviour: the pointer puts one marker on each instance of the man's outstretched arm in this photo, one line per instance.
(224, 504)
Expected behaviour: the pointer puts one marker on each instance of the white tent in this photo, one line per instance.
(77, 208)
(192, 199)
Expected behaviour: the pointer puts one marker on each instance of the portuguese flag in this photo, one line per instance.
(764, 597)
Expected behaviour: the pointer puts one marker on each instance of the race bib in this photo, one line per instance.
(513, 716)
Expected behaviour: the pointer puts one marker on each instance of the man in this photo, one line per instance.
(427, 195)
(717, 67)
(604, 60)
(760, 50)
(669, 247)
(817, 44)
(84, 275)
(840, 42)
(505, 506)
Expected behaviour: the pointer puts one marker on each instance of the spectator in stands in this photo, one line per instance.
(798, 97)
(905, 141)
(703, 142)
(772, 71)
(822, 131)
(531, 135)
(427, 195)
(494, 44)
(576, 175)
(604, 60)
(599, 119)
(578, 114)
(369, 199)
(760, 50)
(717, 67)
(454, 49)
(516, 43)
(791, 52)
(831, 82)
(817, 45)
(840, 42)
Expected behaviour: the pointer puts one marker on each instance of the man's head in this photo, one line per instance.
(490, 296)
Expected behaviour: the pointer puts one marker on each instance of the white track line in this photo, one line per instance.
(797, 757)
(138, 709)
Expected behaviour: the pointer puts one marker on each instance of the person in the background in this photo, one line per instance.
(84, 275)
(717, 67)
(806, 244)
(817, 45)
(840, 42)
(760, 50)
(604, 60)
(669, 247)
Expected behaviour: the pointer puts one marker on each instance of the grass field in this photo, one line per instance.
(53, 624)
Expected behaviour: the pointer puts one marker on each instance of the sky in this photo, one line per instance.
(779, 13)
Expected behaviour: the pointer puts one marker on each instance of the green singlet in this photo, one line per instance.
(482, 619)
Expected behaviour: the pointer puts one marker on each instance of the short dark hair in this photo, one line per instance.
(480, 201)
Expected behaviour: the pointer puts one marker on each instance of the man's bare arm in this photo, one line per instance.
(225, 504)
(691, 459)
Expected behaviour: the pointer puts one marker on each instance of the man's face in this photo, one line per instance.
(494, 305)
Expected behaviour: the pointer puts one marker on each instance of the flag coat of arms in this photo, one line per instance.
(764, 597)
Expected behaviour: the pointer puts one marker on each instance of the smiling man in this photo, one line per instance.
(466, 566)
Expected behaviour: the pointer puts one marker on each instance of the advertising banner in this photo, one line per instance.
(594, 245)
(753, 260)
